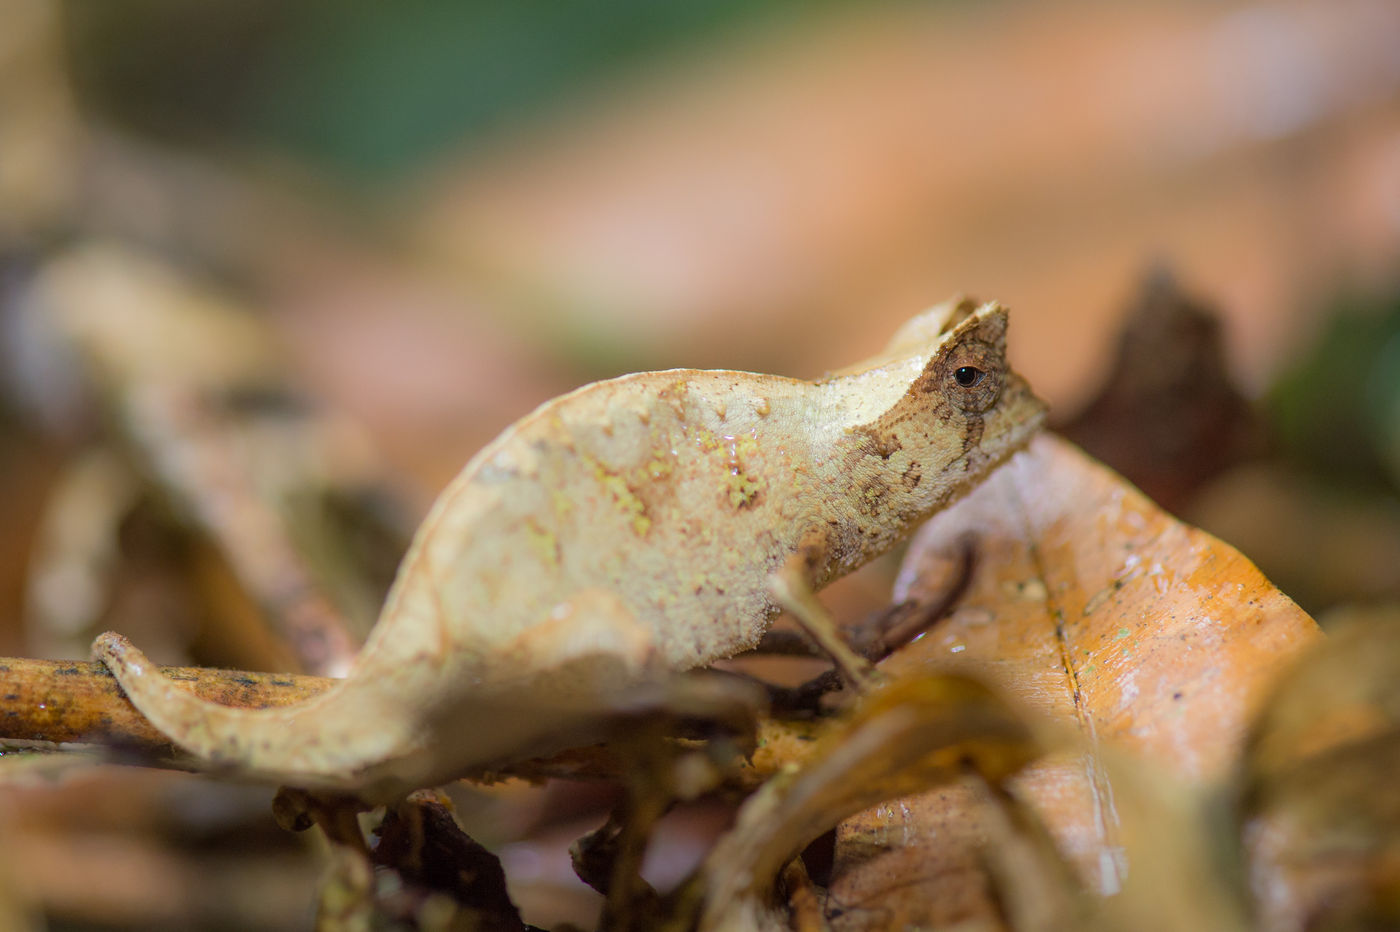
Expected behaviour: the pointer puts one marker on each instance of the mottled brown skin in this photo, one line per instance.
(627, 528)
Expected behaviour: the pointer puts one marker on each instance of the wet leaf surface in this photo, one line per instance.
(1107, 616)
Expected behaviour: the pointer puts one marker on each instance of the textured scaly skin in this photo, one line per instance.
(621, 530)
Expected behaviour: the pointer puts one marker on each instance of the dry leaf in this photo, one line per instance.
(907, 735)
(1320, 814)
(1098, 609)
(1169, 415)
(194, 384)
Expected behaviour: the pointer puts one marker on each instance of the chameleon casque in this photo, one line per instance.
(622, 530)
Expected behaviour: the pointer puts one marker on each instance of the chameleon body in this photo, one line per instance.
(627, 528)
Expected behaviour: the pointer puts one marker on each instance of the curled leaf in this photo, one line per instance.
(905, 736)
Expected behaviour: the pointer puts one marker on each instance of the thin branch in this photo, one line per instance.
(79, 702)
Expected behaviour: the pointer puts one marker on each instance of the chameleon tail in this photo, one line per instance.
(321, 743)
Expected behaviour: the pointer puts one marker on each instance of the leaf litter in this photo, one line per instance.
(1061, 735)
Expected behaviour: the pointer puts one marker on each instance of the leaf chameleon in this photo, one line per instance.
(618, 531)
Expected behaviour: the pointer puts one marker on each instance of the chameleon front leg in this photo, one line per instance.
(888, 629)
(790, 587)
(872, 640)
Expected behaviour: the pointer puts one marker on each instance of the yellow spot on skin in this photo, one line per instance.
(743, 486)
(743, 489)
(706, 441)
(660, 467)
(627, 501)
(761, 407)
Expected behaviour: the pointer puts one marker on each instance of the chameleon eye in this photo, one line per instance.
(971, 376)
(968, 376)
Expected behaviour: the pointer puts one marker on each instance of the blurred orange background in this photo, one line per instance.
(772, 187)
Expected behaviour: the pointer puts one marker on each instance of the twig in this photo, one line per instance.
(68, 701)
(77, 701)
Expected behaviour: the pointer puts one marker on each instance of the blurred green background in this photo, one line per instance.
(370, 91)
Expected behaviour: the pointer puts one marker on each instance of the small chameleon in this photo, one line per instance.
(624, 529)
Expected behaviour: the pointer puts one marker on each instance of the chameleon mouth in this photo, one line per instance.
(1008, 428)
(1018, 417)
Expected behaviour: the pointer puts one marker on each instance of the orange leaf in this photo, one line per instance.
(1100, 611)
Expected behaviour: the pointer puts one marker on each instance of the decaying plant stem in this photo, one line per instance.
(76, 701)
(69, 701)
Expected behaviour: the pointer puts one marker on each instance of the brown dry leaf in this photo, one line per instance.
(909, 734)
(1169, 416)
(194, 384)
(1319, 811)
(1093, 606)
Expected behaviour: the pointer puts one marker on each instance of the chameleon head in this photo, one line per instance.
(929, 417)
(968, 385)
